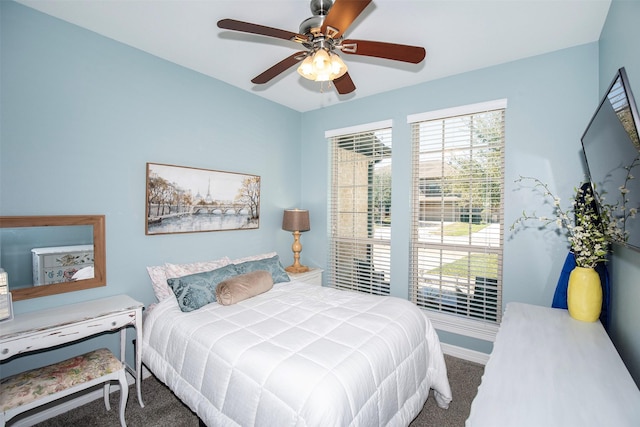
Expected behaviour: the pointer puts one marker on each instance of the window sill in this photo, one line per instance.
(461, 326)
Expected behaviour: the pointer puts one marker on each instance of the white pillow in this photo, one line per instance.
(159, 282)
(160, 273)
(254, 257)
(179, 270)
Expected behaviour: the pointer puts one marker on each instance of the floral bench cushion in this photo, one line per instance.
(29, 386)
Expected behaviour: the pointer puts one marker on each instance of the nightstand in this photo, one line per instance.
(313, 276)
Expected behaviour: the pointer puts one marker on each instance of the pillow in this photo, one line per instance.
(254, 257)
(243, 286)
(179, 270)
(159, 282)
(197, 290)
(160, 273)
(272, 265)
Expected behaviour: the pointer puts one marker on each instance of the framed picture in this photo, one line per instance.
(187, 200)
(6, 304)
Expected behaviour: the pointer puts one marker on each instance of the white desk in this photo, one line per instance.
(48, 328)
(547, 369)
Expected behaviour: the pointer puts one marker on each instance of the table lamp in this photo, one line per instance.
(296, 220)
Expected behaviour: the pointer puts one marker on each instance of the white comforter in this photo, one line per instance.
(298, 355)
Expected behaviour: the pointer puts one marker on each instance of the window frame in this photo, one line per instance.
(357, 262)
(481, 328)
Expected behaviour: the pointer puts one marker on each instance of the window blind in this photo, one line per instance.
(360, 211)
(457, 213)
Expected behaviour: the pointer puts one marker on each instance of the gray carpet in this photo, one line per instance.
(163, 409)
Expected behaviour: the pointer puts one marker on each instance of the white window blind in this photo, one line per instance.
(359, 211)
(457, 216)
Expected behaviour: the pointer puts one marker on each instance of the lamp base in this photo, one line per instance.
(297, 269)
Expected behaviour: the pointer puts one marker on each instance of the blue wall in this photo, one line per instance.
(82, 114)
(621, 31)
(550, 101)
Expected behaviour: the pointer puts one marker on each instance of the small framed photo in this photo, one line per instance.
(187, 200)
(6, 303)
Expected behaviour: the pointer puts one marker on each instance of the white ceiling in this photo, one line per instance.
(459, 36)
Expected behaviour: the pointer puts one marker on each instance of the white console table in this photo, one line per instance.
(48, 328)
(548, 369)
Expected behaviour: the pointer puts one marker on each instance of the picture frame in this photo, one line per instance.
(6, 302)
(182, 199)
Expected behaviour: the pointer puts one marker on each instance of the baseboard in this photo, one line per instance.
(465, 353)
(64, 405)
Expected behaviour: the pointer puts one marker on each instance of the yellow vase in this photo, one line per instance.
(584, 294)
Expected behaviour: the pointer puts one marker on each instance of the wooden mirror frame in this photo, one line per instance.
(99, 252)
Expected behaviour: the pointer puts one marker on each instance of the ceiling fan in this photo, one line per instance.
(323, 35)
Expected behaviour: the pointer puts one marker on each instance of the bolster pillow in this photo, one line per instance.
(243, 286)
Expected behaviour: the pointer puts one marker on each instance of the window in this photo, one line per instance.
(457, 216)
(360, 208)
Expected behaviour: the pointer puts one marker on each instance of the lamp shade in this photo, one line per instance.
(295, 220)
(322, 66)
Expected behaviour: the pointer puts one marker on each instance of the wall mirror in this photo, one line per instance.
(48, 255)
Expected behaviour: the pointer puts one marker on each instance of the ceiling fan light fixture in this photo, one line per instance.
(322, 35)
(322, 66)
(306, 69)
(338, 67)
(321, 60)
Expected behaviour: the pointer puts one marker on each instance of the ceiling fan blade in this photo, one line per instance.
(280, 67)
(344, 84)
(247, 27)
(341, 15)
(395, 52)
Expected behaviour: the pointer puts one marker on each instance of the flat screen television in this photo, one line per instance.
(611, 148)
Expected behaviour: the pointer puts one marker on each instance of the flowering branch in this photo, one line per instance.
(618, 215)
(624, 190)
(586, 232)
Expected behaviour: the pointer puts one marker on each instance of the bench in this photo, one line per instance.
(548, 369)
(31, 389)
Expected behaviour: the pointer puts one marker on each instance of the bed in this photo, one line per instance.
(298, 355)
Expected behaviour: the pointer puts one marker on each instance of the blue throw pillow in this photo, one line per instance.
(197, 290)
(272, 265)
